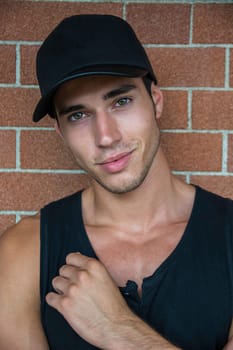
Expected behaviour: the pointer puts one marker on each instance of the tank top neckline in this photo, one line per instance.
(89, 249)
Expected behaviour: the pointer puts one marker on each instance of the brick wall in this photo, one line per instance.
(190, 44)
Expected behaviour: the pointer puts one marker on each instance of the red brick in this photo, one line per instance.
(193, 151)
(189, 66)
(7, 149)
(27, 20)
(230, 153)
(46, 151)
(6, 221)
(212, 23)
(231, 67)
(17, 106)
(7, 66)
(222, 185)
(212, 110)
(175, 110)
(160, 23)
(28, 64)
(25, 191)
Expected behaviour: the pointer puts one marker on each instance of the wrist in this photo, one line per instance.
(121, 335)
(131, 333)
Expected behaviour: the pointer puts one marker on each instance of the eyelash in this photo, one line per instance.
(84, 115)
(70, 117)
(127, 100)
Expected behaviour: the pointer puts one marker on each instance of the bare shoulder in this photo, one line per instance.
(20, 259)
(21, 241)
(19, 285)
(26, 223)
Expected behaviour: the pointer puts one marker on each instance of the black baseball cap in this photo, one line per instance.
(84, 45)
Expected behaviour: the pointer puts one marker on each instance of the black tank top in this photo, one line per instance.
(188, 299)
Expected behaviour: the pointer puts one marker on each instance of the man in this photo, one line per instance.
(139, 260)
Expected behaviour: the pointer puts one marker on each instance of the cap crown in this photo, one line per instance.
(86, 45)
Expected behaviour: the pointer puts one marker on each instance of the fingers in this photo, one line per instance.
(75, 273)
(69, 271)
(72, 272)
(54, 300)
(77, 259)
(60, 284)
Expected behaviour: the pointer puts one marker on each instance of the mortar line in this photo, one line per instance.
(42, 171)
(196, 131)
(4, 85)
(200, 131)
(152, 45)
(172, 88)
(200, 88)
(202, 173)
(224, 151)
(192, 45)
(17, 65)
(124, 10)
(20, 42)
(188, 178)
(82, 172)
(17, 160)
(227, 68)
(17, 212)
(190, 97)
(25, 128)
(171, 1)
(17, 218)
(191, 25)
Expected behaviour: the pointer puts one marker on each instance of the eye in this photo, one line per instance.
(77, 116)
(123, 101)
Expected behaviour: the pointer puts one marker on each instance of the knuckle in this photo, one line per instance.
(65, 303)
(92, 264)
(72, 290)
(83, 277)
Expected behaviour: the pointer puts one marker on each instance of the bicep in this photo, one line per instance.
(229, 345)
(20, 323)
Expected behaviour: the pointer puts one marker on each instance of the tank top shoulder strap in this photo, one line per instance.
(62, 232)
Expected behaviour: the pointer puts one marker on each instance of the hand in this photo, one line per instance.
(88, 299)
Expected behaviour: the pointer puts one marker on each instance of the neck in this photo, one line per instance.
(154, 202)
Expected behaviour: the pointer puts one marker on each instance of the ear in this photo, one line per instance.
(157, 98)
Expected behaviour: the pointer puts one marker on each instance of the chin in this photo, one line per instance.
(123, 186)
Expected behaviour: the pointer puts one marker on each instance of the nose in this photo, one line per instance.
(106, 130)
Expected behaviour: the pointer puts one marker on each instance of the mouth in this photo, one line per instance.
(116, 163)
(115, 158)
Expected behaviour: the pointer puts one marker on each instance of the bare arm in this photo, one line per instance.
(229, 345)
(89, 300)
(20, 324)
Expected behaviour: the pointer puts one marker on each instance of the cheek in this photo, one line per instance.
(142, 124)
(73, 143)
(76, 139)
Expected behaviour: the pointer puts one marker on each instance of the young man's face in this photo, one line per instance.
(109, 124)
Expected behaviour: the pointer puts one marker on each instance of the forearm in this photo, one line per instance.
(134, 334)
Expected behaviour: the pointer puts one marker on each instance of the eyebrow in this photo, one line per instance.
(121, 90)
(70, 109)
(113, 93)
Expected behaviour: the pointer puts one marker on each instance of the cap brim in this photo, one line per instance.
(44, 106)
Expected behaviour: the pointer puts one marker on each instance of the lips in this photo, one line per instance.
(115, 158)
(116, 163)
